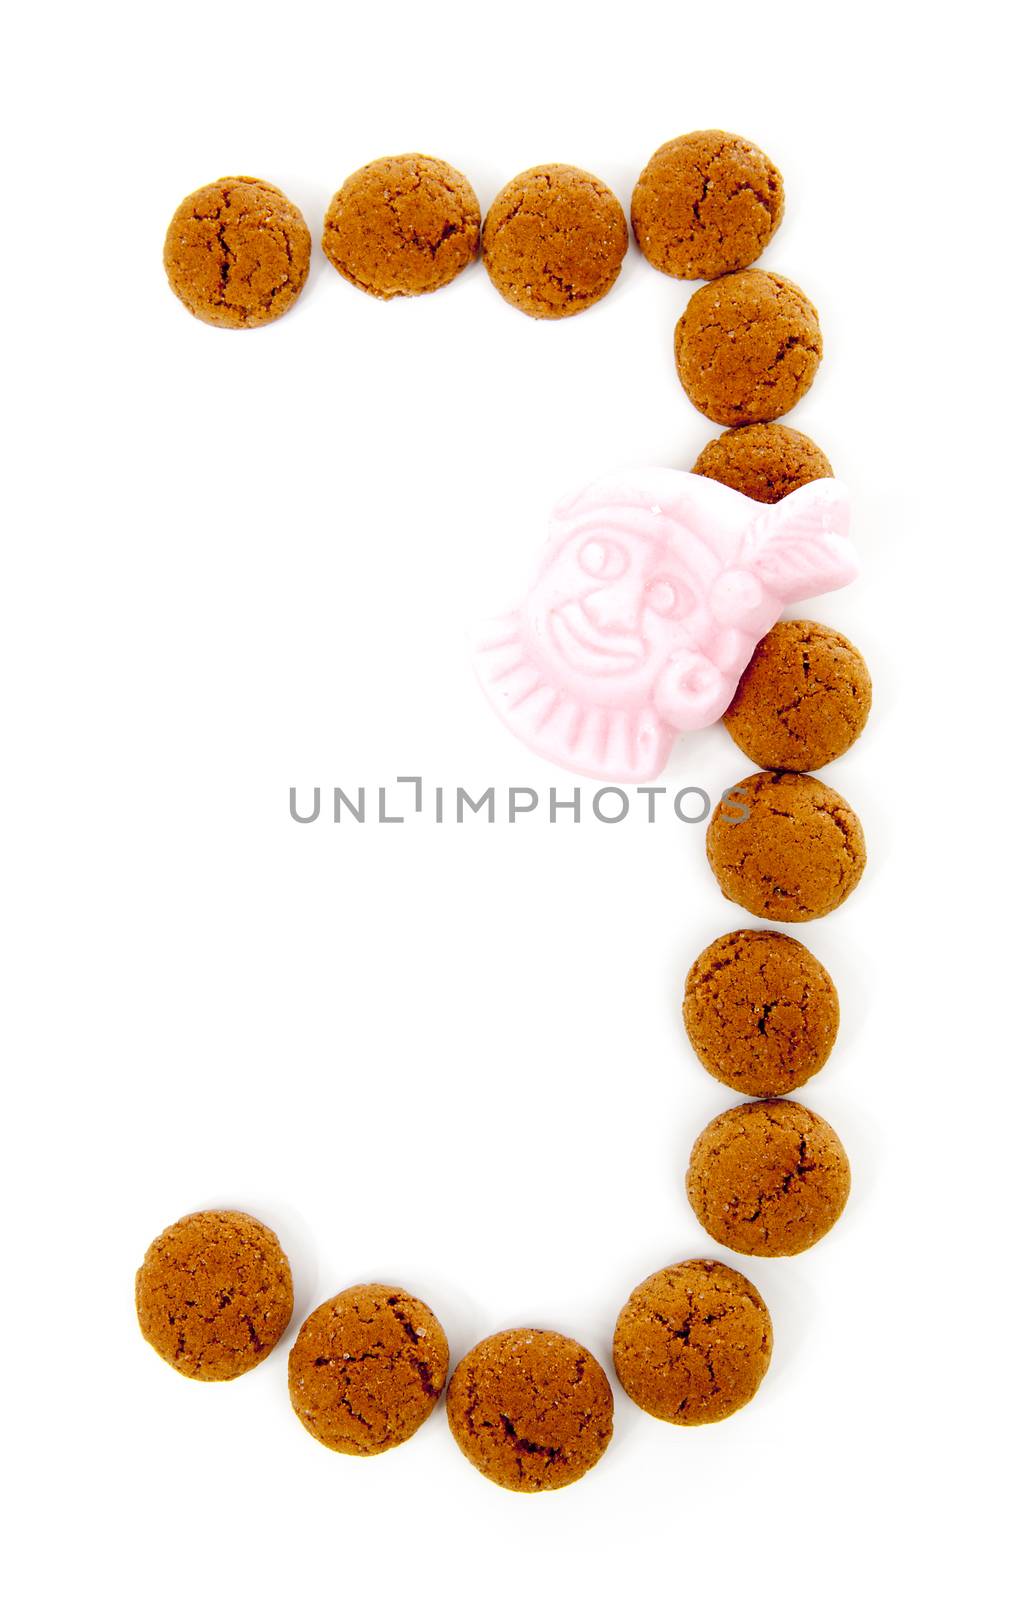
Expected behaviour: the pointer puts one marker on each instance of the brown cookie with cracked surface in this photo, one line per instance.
(803, 699)
(554, 241)
(706, 203)
(769, 1178)
(367, 1368)
(402, 225)
(764, 460)
(760, 1011)
(693, 1343)
(785, 846)
(747, 347)
(237, 253)
(214, 1294)
(530, 1409)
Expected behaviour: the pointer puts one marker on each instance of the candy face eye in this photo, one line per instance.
(603, 558)
(667, 598)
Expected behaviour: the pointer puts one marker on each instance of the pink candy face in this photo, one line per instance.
(656, 587)
(612, 603)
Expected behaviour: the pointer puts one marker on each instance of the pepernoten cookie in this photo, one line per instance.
(796, 853)
(367, 1368)
(706, 203)
(747, 347)
(693, 1342)
(237, 253)
(530, 1409)
(764, 460)
(214, 1294)
(402, 225)
(769, 1178)
(760, 1011)
(803, 699)
(554, 241)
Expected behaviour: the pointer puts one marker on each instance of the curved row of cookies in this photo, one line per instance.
(529, 1407)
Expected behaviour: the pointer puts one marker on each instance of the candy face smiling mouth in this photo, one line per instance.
(583, 649)
(654, 590)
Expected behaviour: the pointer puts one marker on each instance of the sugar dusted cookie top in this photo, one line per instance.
(803, 699)
(237, 253)
(760, 1011)
(693, 1342)
(747, 347)
(797, 852)
(706, 203)
(768, 1178)
(530, 1409)
(403, 225)
(367, 1368)
(214, 1294)
(554, 241)
(764, 460)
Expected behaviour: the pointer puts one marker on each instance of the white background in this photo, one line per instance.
(453, 1058)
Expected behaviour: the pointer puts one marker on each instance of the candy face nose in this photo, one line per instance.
(616, 608)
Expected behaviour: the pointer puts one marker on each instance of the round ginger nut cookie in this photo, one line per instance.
(747, 347)
(764, 460)
(237, 253)
(402, 225)
(214, 1294)
(693, 1343)
(367, 1368)
(554, 241)
(803, 699)
(706, 203)
(785, 846)
(531, 1409)
(760, 1011)
(768, 1178)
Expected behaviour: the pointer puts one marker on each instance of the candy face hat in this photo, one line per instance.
(655, 588)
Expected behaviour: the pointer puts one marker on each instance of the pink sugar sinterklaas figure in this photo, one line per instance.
(655, 588)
